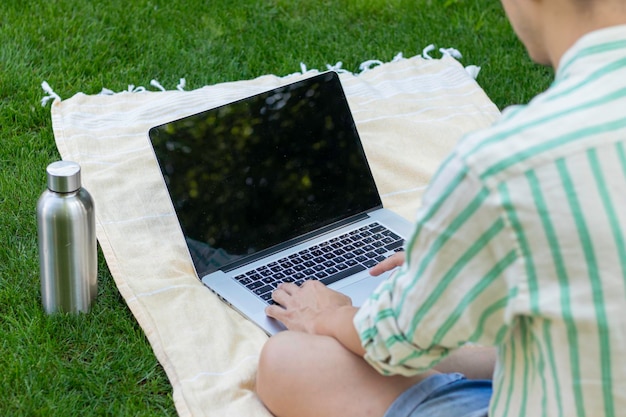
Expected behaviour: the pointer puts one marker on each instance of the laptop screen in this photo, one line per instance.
(255, 174)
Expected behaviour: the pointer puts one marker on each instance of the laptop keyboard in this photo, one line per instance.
(327, 262)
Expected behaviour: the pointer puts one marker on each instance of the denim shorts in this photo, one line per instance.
(443, 395)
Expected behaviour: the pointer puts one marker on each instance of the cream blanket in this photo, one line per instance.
(409, 112)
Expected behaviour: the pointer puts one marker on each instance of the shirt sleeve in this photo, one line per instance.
(451, 289)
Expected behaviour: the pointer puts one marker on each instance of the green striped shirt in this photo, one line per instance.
(520, 243)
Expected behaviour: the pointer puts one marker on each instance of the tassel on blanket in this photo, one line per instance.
(106, 92)
(51, 94)
(454, 53)
(365, 66)
(337, 68)
(133, 89)
(472, 70)
(155, 83)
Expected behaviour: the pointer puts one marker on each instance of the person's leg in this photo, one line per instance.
(304, 375)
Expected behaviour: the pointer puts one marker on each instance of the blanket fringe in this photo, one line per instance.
(51, 94)
(365, 66)
(156, 84)
(454, 53)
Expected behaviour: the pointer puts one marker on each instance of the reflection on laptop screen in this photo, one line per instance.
(259, 172)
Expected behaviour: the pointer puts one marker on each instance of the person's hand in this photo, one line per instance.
(301, 307)
(388, 264)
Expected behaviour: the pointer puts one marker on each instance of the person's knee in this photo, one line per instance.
(273, 362)
(271, 353)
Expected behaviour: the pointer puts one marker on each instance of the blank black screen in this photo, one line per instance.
(259, 172)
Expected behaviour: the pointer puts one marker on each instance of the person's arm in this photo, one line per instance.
(340, 325)
(313, 308)
(475, 362)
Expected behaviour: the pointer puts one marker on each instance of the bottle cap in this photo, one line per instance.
(63, 176)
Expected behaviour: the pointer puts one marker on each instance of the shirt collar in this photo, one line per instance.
(608, 40)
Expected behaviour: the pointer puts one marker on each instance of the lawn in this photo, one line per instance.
(101, 363)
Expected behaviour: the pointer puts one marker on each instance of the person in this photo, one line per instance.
(509, 298)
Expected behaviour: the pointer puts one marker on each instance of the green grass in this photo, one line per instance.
(101, 363)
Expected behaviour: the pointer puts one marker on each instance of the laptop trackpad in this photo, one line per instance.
(361, 289)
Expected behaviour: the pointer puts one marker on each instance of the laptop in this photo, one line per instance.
(277, 188)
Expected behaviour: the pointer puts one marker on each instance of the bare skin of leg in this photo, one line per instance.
(308, 375)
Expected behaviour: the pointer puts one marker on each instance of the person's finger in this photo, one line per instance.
(388, 264)
(281, 295)
(381, 267)
(309, 282)
(287, 287)
(274, 311)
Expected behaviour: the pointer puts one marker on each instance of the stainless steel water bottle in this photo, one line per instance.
(67, 242)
